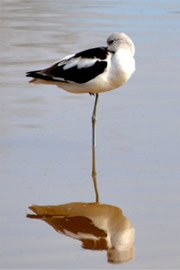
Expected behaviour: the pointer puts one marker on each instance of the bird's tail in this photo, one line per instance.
(36, 74)
(39, 76)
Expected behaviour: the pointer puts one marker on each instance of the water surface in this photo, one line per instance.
(45, 133)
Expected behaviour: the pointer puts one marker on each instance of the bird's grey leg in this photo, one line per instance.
(94, 170)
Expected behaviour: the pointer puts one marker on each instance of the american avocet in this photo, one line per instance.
(92, 71)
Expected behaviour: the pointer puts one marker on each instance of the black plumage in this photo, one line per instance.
(60, 73)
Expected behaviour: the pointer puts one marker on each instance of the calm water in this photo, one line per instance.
(45, 133)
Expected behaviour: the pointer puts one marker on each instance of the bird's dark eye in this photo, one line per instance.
(111, 41)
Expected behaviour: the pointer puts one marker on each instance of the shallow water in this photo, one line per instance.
(45, 133)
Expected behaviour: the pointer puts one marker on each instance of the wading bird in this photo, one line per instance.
(92, 71)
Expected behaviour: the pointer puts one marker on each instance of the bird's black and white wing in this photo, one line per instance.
(78, 68)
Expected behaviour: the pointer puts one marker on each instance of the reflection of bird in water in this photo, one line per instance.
(92, 71)
(98, 226)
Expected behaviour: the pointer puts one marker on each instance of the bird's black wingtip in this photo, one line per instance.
(30, 74)
(37, 74)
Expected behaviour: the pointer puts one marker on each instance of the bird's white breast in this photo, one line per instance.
(122, 67)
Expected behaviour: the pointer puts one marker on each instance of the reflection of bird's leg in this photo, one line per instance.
(94, 171)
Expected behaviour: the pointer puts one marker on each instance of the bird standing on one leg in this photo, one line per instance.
(92, 71)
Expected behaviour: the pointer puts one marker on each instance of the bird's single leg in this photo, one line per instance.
(94, 119)
(94, 170)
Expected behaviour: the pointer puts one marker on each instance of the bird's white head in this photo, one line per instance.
(120, 40)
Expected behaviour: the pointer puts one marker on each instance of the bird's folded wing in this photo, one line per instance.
(79, 68)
